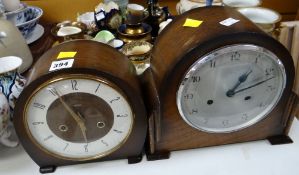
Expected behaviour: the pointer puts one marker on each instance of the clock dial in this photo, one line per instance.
(231, 88)
(78, 117)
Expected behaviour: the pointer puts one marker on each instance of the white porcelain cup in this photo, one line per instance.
(11, 5)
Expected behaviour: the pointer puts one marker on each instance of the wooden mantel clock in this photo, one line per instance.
(223, 82)
(90, 111)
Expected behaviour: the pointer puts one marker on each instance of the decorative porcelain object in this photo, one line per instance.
(116, 43)
(31, 15)
(264, 18)
(162, 25)
(4, 121)
(241, 3)
(69, 31)
(186, 5)
(104, 36)
(138, 32)
(139, 53)
(13, 43)
(88, 19)
(108, 16)
(135, 13)
(11, 82)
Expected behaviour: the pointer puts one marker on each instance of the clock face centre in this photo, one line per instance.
(99, 121)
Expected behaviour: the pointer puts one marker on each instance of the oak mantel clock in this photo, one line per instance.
(223, 82)
(90, 111)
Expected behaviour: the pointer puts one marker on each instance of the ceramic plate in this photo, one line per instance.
(36, 34)
(260, 15)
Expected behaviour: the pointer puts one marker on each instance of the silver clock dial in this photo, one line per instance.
(231, 88)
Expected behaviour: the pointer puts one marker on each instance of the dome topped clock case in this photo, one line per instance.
(90, 111)
(223, 82)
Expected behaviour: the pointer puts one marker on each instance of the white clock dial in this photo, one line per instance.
(79, 118)
(231, 88)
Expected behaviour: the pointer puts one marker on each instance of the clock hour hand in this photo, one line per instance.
(241, 80)
(251, 86)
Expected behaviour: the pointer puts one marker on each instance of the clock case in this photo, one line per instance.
(175, 50)
(95, 59)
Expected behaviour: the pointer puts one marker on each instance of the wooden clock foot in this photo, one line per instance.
(47, 169)
(279, 140)
(135, 159)
(158, 156)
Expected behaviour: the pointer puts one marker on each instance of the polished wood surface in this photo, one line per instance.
(178, 47)
(95, 59)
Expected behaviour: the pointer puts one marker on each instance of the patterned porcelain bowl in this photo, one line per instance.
(31, 17)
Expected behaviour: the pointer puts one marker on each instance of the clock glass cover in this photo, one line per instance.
(231, 88)
(78, 117)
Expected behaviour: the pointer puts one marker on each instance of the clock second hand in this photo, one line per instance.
(256, 84)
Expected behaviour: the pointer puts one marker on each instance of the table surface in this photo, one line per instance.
(250, 158)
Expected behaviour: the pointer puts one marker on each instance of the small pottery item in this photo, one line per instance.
(108, 16)
(11, 82)
(11, 5)
(13, 43)
(104, 36)
(116, 43)
(67, 30)
(186, 5)
(135, 13)
(4, 121)
(139, 54)
(122, 4)
(138, 32)
(241, 3)
(162, 25)
(88, 19)
(264, 18)
(31, 17)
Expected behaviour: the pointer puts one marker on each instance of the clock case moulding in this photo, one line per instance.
(96, 59)
(175, 50)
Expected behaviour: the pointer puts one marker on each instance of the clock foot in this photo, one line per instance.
(47, 169)
(135, 159)
(158, 156)
(279, 140)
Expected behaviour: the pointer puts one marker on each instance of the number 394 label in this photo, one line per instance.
(61, 64)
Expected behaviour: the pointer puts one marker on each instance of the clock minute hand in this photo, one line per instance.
(78, 118)
(256, 84)
(242, 79)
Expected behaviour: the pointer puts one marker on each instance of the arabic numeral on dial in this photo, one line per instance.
(97, 88)
(225, 122)
(117, 131)
(86, 148)
(53, 91)
(194, 111)
(37, 123)
(195, 79)
(188, 96)
(74, 85)
(105, 143)
(269, 71)
(270, 88)
(212, 63)
(235, 56)
(38, 105)
(116, 99)
(124, 115)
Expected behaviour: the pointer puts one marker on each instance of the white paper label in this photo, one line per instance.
(229, 21)
(100, 16)
(62, 64)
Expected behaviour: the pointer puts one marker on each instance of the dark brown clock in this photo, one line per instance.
(81, 108)
(223, 82)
